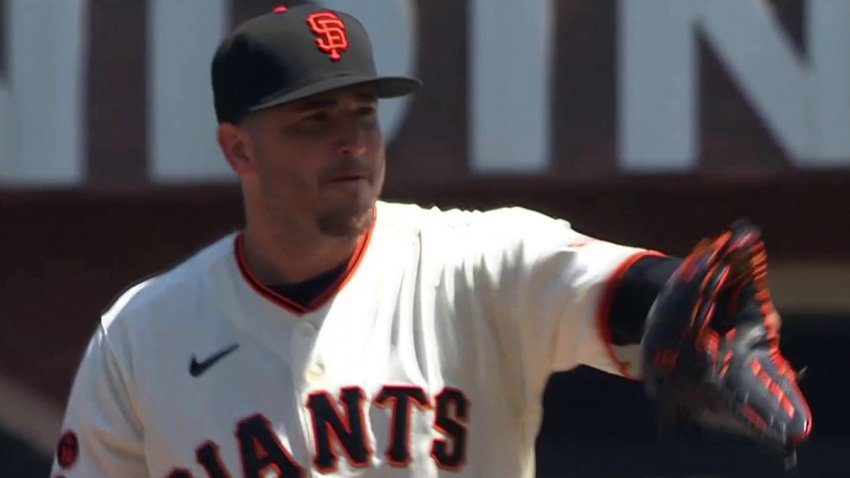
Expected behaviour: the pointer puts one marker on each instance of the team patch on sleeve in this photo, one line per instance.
(67, 450)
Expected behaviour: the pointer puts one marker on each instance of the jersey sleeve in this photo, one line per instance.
(551, 287)
(102, 434)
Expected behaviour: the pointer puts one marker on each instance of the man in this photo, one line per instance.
(337, 334)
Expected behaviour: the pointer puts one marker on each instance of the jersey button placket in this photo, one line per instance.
(306, 330)
(301, 354)
(315, 372)
(301, 351)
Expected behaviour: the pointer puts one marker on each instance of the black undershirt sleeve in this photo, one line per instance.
(635, 294)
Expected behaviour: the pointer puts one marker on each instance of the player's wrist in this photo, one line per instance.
(635, 293)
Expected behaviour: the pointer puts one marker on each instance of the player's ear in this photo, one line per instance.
(235, 143)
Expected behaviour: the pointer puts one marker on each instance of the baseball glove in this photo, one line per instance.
(710, 352)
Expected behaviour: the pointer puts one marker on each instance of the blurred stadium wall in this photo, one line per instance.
(647, 122)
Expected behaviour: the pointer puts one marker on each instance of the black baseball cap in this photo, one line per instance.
(292, 53)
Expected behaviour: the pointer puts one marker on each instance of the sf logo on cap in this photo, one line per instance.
(330, 30)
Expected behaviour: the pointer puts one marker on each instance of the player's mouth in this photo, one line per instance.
(348, 178)
(348, 182)
(351, 174)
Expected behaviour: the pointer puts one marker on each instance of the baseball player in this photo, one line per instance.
(340, 335)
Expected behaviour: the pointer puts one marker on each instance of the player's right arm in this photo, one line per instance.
(102, 433)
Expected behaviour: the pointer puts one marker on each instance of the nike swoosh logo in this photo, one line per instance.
(197, 368)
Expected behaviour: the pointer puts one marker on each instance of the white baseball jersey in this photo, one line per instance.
(428, 358)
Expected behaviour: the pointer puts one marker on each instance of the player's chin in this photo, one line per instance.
(350, 220)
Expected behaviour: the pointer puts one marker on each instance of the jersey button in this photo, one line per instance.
(306, 329)
(315, 372)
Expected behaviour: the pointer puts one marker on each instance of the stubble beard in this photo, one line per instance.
(346, 224)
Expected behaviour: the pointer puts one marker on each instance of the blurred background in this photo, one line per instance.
(645, 122)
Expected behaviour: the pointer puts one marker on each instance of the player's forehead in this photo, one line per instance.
(356, 95)
(363, 93)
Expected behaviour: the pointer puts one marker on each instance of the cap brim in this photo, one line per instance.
(385, 87)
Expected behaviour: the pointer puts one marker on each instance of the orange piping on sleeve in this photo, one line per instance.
(604, 309)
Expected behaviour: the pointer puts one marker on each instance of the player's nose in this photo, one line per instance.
(352, 140)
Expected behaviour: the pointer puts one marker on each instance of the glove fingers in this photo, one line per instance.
(682, 318)
(710, 288)
(722, 369)
(774, 404)
(680, 314)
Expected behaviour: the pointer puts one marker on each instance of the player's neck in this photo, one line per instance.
(280, 259)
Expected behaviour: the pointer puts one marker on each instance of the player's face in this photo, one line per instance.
(320, 161)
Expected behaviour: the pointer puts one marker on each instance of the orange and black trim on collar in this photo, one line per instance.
(320, 300)
(603, 311)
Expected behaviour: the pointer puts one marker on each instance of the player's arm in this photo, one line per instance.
(102, 434)
(552, 289)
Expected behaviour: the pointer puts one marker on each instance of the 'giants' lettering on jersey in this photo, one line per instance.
(348, 428)
(401, 398)
(262, 452)
(339, 430)
(451, 419)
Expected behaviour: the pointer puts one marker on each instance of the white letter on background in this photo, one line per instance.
(510, 91)
(657, 115)
(42, 121)
(182, 38)
(804, 104)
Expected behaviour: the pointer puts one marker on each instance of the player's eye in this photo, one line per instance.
(367, 114)
(313, 123)
(367, 111)
(318, 117)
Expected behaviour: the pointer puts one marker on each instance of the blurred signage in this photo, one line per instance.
(118, 92)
